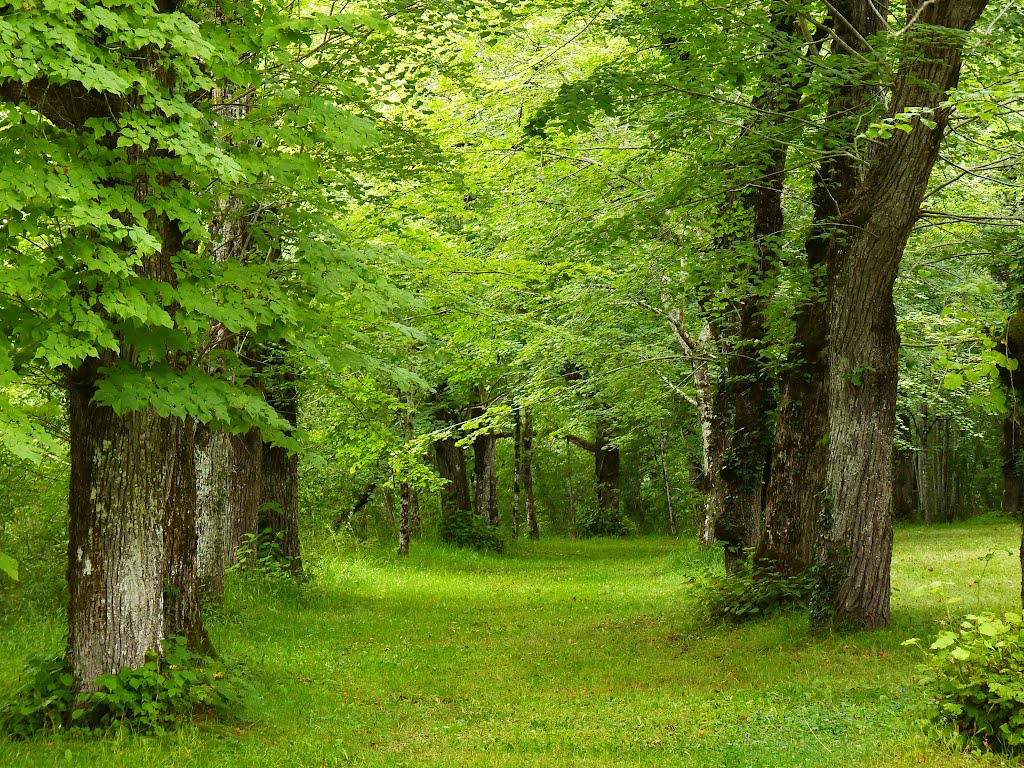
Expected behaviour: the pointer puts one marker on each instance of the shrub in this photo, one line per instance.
(976, 678)
(180, 684)
(754, 590)
(464, 528)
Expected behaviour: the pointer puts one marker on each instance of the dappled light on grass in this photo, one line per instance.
(561, 653)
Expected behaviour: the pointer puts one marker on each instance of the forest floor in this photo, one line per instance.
(562, 653)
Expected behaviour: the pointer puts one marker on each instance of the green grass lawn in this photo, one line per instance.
(562, 653)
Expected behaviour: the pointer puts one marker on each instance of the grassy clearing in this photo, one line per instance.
(564, 653)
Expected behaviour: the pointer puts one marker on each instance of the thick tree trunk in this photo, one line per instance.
(117, 500)
(213, 467)
(532, 528)
(182, 588)
(279, 509)
(245, 488)
(864, 344)
(1012, 467)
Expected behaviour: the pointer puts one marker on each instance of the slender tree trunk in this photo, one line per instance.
(532, 529)
(668, 489)
(517, 460)
(279, 499)
(405, 502)
(485, 477)
(117, 503)
(607, 467)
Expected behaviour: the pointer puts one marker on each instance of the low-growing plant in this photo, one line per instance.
(975, 675)
(754, 590)
(179, 684)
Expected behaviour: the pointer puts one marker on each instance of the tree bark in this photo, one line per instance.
(245, 488)
(213, 467)
(118, 493)
(864, 344)
(485, 477)
(182, 588)
(279, 501)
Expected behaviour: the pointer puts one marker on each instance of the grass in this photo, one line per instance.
(563, 653)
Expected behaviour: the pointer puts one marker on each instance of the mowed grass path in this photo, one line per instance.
(563, 653)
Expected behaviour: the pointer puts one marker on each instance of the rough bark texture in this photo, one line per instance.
(279, 508)
(279, 498)
(213, 466)
(245, 487)
(794, 501)
(485, 478)
(182, 589)
(864, 344)
(115, 538)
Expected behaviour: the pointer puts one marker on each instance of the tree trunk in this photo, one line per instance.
(182, 588)
(213, 467)
(1013, 468)
(405, 505)
(668, 489)
(607, 463)
(517, 460)
(118, 494)
(279, 498)
(532, 529)
(864, 344)
(485, 477)
(245, 488)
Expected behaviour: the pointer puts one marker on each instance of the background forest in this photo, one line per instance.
(307, 304)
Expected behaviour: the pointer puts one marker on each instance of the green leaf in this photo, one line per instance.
(953, 381)
(9, 566)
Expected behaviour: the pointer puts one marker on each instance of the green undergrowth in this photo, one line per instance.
(557, 653)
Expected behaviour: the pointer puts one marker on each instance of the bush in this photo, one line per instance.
(605, 522)
(466, 529)
(754, 590)
(179, 685)
(976, 677)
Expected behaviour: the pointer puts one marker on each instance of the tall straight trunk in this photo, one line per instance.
(485, 477)
(922, 464)
(213, 467)
(406, 498)
(864, 348)
(279, 498)
(668, 488)
(904, 498)
(182, 587)
(116, 533)
(1012, 467)
(245, 489)
(532, 529)
(517, 460)
(607, 469)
